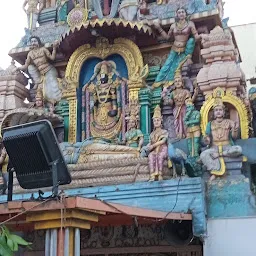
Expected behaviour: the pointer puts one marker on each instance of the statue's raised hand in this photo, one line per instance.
(236, 126)
(55, 44)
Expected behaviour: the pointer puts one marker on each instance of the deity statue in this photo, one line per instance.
(134, 136)
(4, 160)
(192, 123)
(132, 9)
(62, 9)
(220, 134)
(32, 11)
(44, 74)
(157, 147)
(106, 8)
(252, 97)
(95, 150)
(178, 98)
(182, 49)
(105, 114)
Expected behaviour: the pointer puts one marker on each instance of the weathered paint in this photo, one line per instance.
(230, 197)
(185, 195)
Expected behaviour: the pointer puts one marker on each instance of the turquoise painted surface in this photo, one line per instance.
(230, 198)
(186, 195)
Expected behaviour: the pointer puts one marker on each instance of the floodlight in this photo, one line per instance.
(35, 156)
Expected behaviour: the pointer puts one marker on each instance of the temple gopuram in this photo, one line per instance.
(151, 112)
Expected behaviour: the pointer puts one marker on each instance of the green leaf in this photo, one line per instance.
(19, 240)
(5, 250)
(15, 247)
(3, 239)
(10, 244)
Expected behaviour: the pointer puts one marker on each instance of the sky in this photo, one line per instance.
(13, 21)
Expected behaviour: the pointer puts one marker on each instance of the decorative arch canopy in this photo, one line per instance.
(230, 98)
(102, 50)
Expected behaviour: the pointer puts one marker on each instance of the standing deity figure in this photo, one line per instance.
(44, 74)
(182, 49)
(62, 10)
(105, 8)
(157, 147)
(220, 134)
(177, 98)
(4, 160)
(192, 122)
(132, 10)
(128, 9)
(106, 111)
(32, 11)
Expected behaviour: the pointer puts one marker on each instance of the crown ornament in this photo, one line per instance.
(157, 112)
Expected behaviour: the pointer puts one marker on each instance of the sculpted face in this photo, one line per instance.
(178, 82)
(39, 102)
(181, 14)
(157, 122)
(34, 42)
(131, 124)
(218, 112)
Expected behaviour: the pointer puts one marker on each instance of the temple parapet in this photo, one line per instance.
(220, 69)
(13, 91)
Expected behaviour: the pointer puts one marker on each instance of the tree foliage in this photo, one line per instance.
(9, 243)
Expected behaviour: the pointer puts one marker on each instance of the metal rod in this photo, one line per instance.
(53, 249)
(66, 243)
(55, 182)
(10, 185)
(77, 242)
(47, 242)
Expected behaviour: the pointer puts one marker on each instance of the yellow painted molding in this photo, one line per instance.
(51, 224)
(56, 215)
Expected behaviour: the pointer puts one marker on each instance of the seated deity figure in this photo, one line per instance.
(32, 11)
(44, 74)
(134, 136)
(157, 147)
(220, 136)
(106, 111)
(177, 98)
(185, 34)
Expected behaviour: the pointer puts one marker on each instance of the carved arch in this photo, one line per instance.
(103, 49)
(227, 97)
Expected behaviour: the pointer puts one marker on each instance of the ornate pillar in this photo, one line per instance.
(63, 110)
(70, 95)
(77, 242)
(62, 236)
(145, 117)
